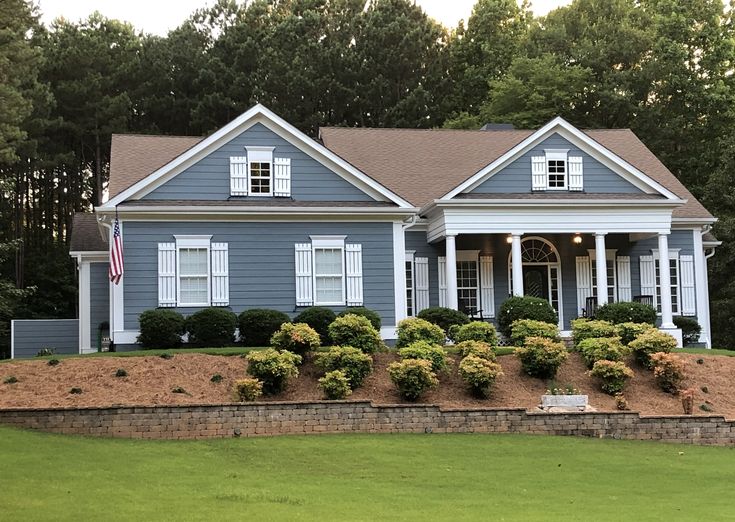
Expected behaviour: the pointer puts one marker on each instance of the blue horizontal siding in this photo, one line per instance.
(209, 178)
(261, 262)
(516, 177)
(29, 336)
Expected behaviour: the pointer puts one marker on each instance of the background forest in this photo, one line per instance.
(664, 68)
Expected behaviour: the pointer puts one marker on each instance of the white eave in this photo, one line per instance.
(560, 203)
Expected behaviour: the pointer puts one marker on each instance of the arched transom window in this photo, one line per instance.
(538, 251)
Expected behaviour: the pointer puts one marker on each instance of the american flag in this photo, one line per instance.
(116, 254)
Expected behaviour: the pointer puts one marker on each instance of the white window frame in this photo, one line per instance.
(328, 243)
(557, 155)
(260, 155)
(193, 242)
(410, 283)
(473, 256)
(611, 256)
(675, 303)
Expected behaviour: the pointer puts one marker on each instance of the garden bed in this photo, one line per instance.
(151, 379)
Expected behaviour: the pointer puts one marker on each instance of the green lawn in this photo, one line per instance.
(705, 351)
(361, 477)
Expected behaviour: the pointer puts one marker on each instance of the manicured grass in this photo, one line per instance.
(705, 351)
(361, 477)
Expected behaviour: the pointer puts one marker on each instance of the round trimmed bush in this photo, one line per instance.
(414, 329)
(525, 307)
(541, 357)
(319, 319)
(161, 328)
(412, 377)
(626, 312)
(248, 389)
(690, 329)
(433, 353)
(668, 370)
(273, 368)
(355, 364)
(212, 327)
(356, 331)
(612, 374)
(649, 343)
(629, 331)
(479, 374)
(524, 328)
(477, 348)
(258, 325)
(603, 348)
(586, 329)
(445, 318)
(370, 315)
(335, 385)
(476, 331)
(298, 338)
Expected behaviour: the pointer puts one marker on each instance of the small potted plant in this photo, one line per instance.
(566, 396)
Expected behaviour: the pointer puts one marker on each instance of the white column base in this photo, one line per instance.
(676, 334)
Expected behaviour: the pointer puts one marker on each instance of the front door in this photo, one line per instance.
(536, 281)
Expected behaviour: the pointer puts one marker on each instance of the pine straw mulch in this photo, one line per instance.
(151, 379)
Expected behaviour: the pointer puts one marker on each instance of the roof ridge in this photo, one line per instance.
(133, 135)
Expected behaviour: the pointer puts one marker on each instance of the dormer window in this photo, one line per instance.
(260, 174)
(260, 169)
(556, 170)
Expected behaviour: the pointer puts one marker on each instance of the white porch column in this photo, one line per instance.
(601, 268)
(85, 341)
(517, 263)
(451, 261)
(667, 320)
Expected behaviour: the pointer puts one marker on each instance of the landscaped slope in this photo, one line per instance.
(152, 380)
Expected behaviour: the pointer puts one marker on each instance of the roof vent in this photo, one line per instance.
(497, 127)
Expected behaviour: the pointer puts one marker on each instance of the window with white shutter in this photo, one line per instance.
(686, 277)
(238, 176)
(166, 274)
(260, 171)
(353, 271)
(584, 282)
(648, 276)
(442, 262)
(538, 173)
(576, 178)
(304, 282)
(624, 287)
(220, 275)
(329, 272)
(487, 287)
(282, 177)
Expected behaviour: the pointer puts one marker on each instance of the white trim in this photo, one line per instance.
(85, 318)
(260, 155)
(557, 155)
(576, 137)
(256, 114)
(127, 336)
(12, 338)
(389, 332)
(399, 272)
(611, 254)
(93, 255)
(409, 260)
(474, 257)
(327, 241)
(702, 293)
(264, 213)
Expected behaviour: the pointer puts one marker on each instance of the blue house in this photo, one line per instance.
(260, 215)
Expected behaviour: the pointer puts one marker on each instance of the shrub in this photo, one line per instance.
(649, 343)
(370, 315)
(212, 327)
(523, 328)
(298, 338)
(75, 391)
(273, 368)
(356, 331)
(216, 378)
(414, 329)
(412, 377)
(53, 362)
(476, 331)
(444, 318)
(621, 402)
(178, 389)
(612, 374)
(335, 385)
(161, 328)
(44, 352)
(355, 364)
(433, 353)
(668, 370)
(690, 329)
(121, 372)
(585, 329)
(477, 348)
(12, 379)
(479, 374)
(541, 357)
(525, 307)
(319, 319)
(166, 356)
(248, 390)
(603, 348)
(626, 312)
(258, 325)
(629, 331)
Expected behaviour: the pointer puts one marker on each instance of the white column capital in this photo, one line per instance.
(600, 234)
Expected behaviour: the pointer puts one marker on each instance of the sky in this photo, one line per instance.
(160, 16)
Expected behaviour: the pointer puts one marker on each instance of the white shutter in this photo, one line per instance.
(282, 177)
(648, 277)
(686, 278)
(576, 179)
(538, 173)
(220, 275)
(584, 282)
(353, 265)
(624, 286)
(421, 284)
(166, 274)
(238, 176)
(487, 291)
(304, 285)
(442, 261)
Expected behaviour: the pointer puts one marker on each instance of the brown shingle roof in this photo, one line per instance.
(85, 236)
(423, 165)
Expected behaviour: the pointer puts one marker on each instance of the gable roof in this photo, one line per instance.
(85, 235)
(424, 165)
(256, 114)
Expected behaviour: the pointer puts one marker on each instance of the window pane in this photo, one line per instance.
(193, 261)
(467, 286)
(193, 290)
(409, 288)
(328, 261)
(557, 173)
(260, 177)
(329, 289)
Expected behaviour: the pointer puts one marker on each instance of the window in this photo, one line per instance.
(674, 283)
(467, 281)
(260, 171)
(410, 305)
(329, 270)
(556, 169)
(192, 253)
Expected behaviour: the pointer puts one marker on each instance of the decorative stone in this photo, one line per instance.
(564, 401)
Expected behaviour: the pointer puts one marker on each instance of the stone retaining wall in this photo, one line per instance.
(253, 419)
